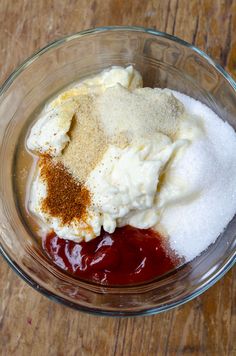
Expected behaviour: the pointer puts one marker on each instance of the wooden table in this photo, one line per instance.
(30, 324)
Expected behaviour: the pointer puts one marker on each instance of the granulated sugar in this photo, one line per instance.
(209, 168)
(140, 113)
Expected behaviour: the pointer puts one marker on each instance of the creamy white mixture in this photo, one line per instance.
(177, 174)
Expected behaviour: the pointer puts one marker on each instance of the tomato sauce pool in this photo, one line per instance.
(127, 256)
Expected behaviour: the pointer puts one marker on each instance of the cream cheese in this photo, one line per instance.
(124, 185)
(49, 133)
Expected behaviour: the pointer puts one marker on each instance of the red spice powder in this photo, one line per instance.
(66, 198)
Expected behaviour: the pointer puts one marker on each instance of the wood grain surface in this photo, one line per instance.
(30, 324)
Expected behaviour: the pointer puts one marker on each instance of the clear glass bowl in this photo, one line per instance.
(164, 61)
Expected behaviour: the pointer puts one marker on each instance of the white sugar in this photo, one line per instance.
(209, 168)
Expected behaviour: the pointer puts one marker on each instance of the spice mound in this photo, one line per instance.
(66, 198)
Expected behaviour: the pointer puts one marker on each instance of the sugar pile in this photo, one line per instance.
(209, 168)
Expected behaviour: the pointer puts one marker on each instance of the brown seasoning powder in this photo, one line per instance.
(87, 143)
(66, 198)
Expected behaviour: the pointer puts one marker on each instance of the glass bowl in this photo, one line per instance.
(164, 61)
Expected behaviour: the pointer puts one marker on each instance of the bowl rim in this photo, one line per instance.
(52, 296)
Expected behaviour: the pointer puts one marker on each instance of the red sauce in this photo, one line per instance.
(129, 255)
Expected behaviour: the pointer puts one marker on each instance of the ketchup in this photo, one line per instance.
(127, 256)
